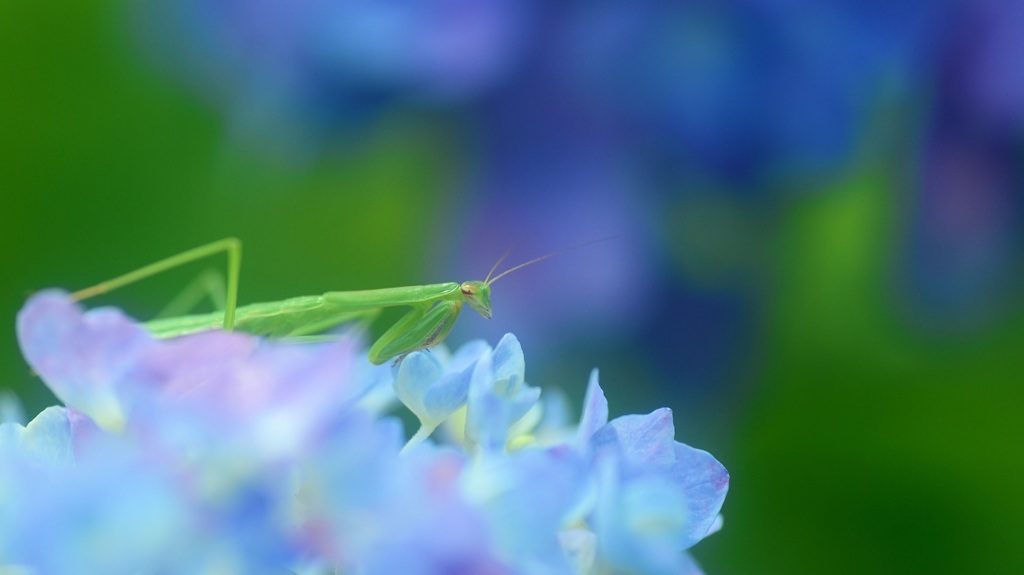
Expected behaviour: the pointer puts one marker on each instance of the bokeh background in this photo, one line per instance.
(817, 213)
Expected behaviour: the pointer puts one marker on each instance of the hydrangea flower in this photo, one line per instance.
(223, 453)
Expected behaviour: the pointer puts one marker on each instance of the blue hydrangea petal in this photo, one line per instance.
(705, 483)
(84, 430)
(654, 513)
(528, 497)
(580, 548)
(486, 423)
(509, 364)
(595, 411)
(417, 372)
(46, 440)
(644, 440)
(384, 511)
(431, 391)
(716, 525)
(656, 496)
(11, 410)
(427, 494)
(689, 566)
(447, 395)
(637, 522)
(521, 403)
(467, 354)
(380, 396)
(115, 514)
(353, 468)
(555, 419)
(490, 412)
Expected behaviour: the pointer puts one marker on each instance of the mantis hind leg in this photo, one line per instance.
(207, 285)
(232, 246)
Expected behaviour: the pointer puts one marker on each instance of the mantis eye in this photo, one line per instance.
(467, 289)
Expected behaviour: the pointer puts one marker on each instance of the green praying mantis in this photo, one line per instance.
(435, 307)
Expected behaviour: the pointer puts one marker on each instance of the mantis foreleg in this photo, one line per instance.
(420, 328)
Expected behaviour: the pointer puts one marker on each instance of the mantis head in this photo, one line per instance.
(478, 296)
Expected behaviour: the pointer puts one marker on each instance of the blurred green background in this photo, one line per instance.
(864, 431)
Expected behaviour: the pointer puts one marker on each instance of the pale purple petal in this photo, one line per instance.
(82, 357)
(272, 403)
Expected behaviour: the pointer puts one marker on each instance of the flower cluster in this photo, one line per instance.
(223, 453)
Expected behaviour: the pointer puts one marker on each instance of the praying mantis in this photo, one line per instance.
(434, 307)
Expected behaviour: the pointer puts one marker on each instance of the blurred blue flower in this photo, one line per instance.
(965, 240)
(231, 454)
(748, 91)
(738, 90)
(625, 117)
(297, 75)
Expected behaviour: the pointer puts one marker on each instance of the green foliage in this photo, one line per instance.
(869, 446)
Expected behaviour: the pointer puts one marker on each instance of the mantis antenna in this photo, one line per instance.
(491, 280)
(498, 263)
